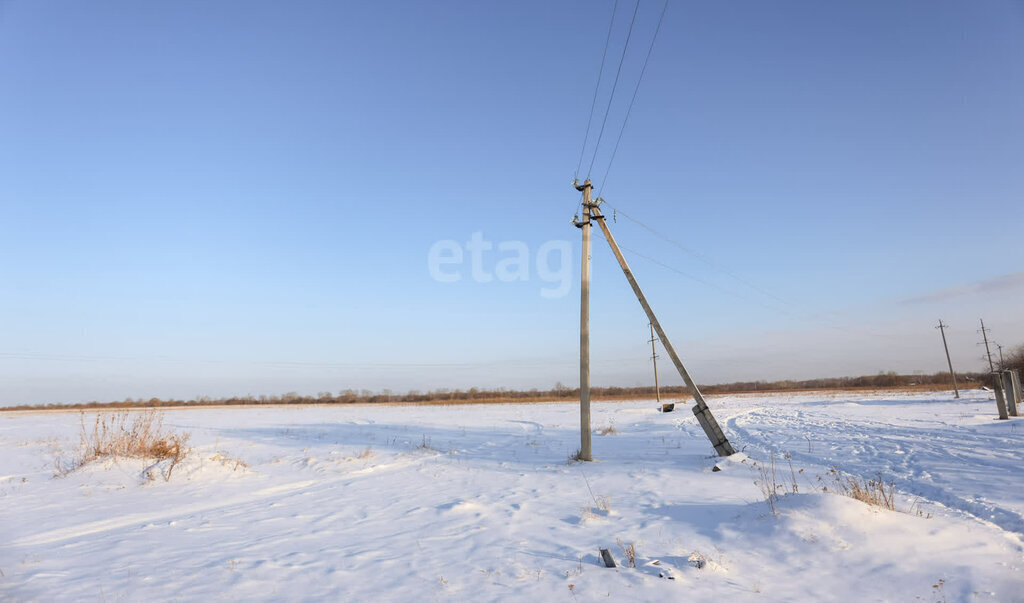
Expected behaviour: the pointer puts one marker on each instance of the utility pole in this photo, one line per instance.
(942, 329)
(984, 335)
(654, 357)
(584, 225)
(700, 409)
(1001, 362)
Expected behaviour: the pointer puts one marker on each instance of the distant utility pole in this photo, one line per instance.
(942, 329)
(1000, 348)
(654, 358)
(988, 352)
(584, 225)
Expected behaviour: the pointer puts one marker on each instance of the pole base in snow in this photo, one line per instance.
(712, 430)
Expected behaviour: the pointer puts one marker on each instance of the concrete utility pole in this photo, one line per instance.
(700, 410)
(1015, 379)
(654, 358)
(988, 352)
(584, 225)
(1000, 399)
(1011, 391)
(942, 329)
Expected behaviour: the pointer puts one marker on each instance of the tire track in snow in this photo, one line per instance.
(922, 461)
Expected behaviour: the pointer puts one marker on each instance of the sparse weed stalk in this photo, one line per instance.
(602, 508)
(602, 504)
(794, 488)
(697, 560)
(425, 444)
(915, 509)
(628, 551)
(128, 434)
(227, 461)
(608, 430)
(768, 482)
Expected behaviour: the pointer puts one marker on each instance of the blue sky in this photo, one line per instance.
(241, 197)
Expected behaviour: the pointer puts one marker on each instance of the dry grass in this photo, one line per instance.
(609, 430)
(576, 457)
(769, 482)
(628, 551)
(871, 491)
(457, 398)
(128, 434)
(228, 461)
(602, 508)
(425, 445)
(602, 504)
(774, 484)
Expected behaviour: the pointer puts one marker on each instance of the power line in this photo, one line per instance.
(650, 49)
(692, 277)
(615, 84)
(597, 86)
(700, 256)
(825, 322)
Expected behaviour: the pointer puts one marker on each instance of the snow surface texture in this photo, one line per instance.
(479, 503)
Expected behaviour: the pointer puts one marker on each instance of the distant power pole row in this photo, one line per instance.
(984, 341)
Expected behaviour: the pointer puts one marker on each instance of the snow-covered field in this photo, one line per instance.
(372, 503)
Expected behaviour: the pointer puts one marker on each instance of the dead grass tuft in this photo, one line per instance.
(873, 491)
(771, 486)
(628, 551)
(228, 461)
(774, 484)
(128, 434)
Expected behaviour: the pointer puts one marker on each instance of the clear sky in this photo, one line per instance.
(253, 197)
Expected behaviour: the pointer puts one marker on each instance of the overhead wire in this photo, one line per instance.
(792, 311)
(788, 306)
(615, 84)
(618, 140)
(700, 256)
(597, 86)
(643, 70)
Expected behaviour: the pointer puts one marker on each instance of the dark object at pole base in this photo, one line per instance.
(668, 407)
(606, 556)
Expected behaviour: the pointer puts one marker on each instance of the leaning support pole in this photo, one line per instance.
(700, 410)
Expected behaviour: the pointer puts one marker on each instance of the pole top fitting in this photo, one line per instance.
(580, 187)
